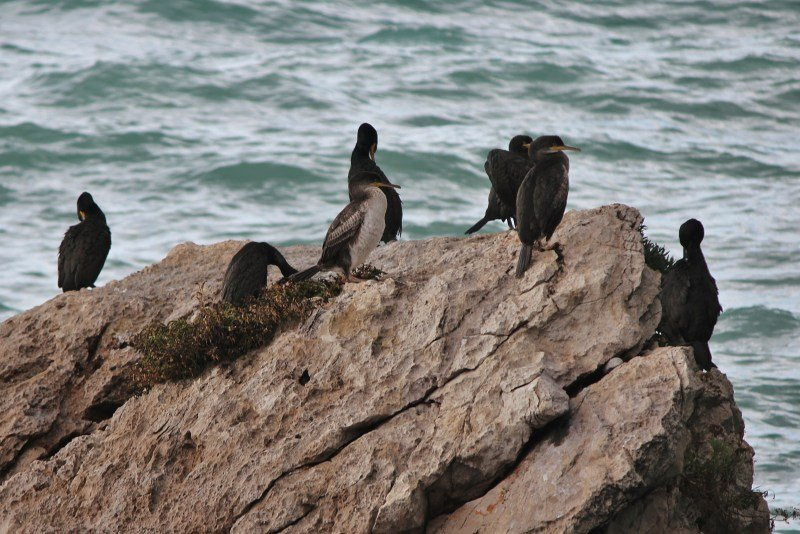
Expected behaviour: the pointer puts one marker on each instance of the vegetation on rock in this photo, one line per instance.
(221, 331)
(368, 272)
(712, 482)
(655, 256)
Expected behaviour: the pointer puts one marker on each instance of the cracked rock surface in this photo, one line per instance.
(431, 399)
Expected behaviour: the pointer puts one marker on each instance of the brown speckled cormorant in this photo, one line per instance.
(542, 197)
(494, 210)
(247, 272)
(362, 160)
(355, 232)
(689, 297)
(85, 246)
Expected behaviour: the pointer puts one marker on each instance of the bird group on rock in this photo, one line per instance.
(529, 185)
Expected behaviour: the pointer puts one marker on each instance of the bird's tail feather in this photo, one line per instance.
(477, 226)
(303, 275)
(524, 258)
(702, 355)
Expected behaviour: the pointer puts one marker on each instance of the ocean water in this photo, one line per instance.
(208, 120)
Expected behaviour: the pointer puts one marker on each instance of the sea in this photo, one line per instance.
(207, 120)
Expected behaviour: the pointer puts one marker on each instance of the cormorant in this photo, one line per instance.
(689, 297)
(363, 160)
(506, 169)
(494, 210)
(355, 232)
(542, 197)
(247, 272)
(84, 248)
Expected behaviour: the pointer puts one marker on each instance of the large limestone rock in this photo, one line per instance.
(447, 396)
(624, 437)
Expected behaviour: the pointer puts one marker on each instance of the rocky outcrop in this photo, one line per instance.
(448, 396)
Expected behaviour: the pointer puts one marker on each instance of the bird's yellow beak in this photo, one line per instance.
(372, 151)
(82, 215)
(526, 145)
(384, 184)
(564, 147)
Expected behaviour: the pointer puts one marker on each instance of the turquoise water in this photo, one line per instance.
(208, 120)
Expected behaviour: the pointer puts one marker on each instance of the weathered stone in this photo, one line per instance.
(395, 403)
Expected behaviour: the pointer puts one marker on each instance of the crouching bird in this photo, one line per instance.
(356, 231)
(506, 169)
(689, 297)
(85, 246)
(542, 197)
(246, 275)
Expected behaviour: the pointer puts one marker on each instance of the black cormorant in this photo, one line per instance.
(494, 210)
(84, 248)
(355, 232)
(542, 197)
(506, 169)
(689, 297)
(362, 160)
(247, 272)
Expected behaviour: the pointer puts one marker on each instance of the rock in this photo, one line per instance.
(612, 364)
(403, 404)
(613, 462)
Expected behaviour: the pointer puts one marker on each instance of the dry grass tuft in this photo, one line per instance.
(368, 272)
(222, 332)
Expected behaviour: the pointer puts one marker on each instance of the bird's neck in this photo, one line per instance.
(694, 255)
(360, 153)
(559, 158)
(95, 216)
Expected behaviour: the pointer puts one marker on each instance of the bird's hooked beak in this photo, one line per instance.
(560, 148)
(82, 215)
(372, 150)
(526, 146)
(384, 184)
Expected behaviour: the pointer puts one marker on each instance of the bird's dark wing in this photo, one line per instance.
(344, 227)
(527, 223)
(550, 197)
(494, 208)
(506, 172)
(68, 257)
(703, 305)
(82, 255)
(95, 245)
(394, 211)
(675, 287)
(246, 274)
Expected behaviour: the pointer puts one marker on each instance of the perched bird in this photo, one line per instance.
(362, 160)
(506, 169)
(84, 248)
(689, 297)
(355, 232)
(542, 197)
(494, 210)
(247, 272)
